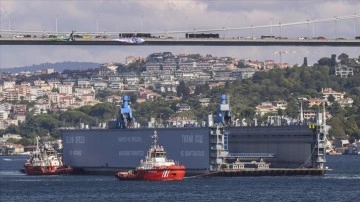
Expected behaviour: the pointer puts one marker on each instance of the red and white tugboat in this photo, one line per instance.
(45, 161)
(155, 166)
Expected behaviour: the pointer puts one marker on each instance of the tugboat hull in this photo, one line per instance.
(45, 161)
(161, 174)
(155, 166)
(43, 170)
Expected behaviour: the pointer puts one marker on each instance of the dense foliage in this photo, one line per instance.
(48, 124)
(293, 83)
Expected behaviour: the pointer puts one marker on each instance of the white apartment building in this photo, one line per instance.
(3, 115)
(54, 84)
(202, 65)
(39, 83)
(35, 92)
(84, 83)
(66, 89)
(116, 85)
(9, 85)
(40, 109)
(219, 66)
(100, 85)
(79, 92)
(344, 71)
(5, 107)
(186, 66)
(132, 79)
(54, 97)
(153, 67)
(328, 91)
(25, 83)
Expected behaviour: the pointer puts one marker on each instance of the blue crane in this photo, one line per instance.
(223, 114)
(125, 119)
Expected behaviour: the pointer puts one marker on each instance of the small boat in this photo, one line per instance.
(155, 166)
(45, 161)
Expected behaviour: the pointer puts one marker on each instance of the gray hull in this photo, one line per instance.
(121, 149)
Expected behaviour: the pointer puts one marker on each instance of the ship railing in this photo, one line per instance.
(248, 156)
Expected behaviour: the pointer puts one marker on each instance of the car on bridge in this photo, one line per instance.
(279, 37)
(18, 36)
(267, 37)
(100, 37)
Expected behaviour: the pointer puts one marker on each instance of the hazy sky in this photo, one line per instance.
(168, 15)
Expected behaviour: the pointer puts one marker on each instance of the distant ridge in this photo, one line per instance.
(58, 67)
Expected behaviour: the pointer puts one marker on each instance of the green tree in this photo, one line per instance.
(305, 63)
(292, 109)
(325, 61)
(13, 129)
(344, 58)
(25, 141)
(337, 129)
(182, 90)
(101, 94)
(133, 97)
(331, 98)
(227, 84)
(280, 112)
(194, 56)
(46, 123)
(55, 90)
(103, 111)
(248, 113)
(336, 109)
(74, 117)
(333, 60)
(86, 109)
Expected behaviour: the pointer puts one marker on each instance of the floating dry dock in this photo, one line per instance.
(219, 149)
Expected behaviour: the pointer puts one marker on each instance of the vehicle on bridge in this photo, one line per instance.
(267, 37)
(202, 35)
(18, 36)
(139, 35)
(69, 38)
(132, 40)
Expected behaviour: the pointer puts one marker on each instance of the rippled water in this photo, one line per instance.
(340, 184)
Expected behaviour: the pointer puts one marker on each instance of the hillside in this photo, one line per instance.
(59, 66)
(292, 83)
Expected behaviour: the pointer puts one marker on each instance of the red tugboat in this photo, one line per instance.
(155, 166)
(45, 161)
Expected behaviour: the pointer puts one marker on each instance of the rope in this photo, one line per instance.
(201, 175)
(308, 158)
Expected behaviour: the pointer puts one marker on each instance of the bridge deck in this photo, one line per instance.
(186, 42)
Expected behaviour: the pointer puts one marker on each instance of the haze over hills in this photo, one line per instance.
(58, 67)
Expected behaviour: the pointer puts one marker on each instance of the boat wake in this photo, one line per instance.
(11, 173)
(7, 159)
(343, 177)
